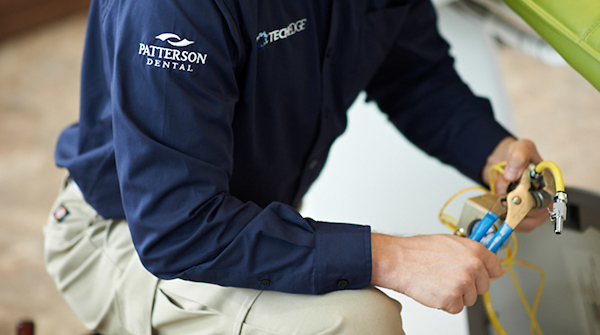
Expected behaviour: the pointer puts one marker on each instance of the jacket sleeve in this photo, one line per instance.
(172, 117)
(425, 99)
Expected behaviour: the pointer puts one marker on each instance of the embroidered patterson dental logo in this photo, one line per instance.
(170, 58)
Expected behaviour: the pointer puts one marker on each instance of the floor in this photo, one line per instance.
(39, 76)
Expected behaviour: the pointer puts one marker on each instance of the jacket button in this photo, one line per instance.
(265, 282)
(342, 283)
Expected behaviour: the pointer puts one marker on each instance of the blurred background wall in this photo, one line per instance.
(39, 78)
(18, 16)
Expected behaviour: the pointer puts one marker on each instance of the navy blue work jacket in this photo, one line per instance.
(203, 123)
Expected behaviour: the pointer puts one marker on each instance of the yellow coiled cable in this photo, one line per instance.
(451, 222)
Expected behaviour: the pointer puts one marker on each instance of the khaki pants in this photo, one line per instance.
(95, 267)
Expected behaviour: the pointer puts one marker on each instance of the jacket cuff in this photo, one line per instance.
(343, 256)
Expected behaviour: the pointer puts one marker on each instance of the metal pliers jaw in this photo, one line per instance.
(532, 191)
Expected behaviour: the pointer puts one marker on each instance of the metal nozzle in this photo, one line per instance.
(558, 224)
(559, 211)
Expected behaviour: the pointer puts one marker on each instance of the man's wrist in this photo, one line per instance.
(385, 260)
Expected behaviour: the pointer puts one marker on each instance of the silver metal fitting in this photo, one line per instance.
(535, 176)
(558, 215)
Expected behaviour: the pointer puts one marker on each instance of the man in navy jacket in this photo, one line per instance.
(202, 125)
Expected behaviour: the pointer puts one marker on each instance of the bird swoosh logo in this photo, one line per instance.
(168, 37)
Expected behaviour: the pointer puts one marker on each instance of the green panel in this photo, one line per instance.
(571, 27)
(577, 15)
(594, 40)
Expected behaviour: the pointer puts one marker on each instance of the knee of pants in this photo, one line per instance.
(366, 311)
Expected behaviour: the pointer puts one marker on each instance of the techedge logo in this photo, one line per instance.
(173, 59)
(265, 38)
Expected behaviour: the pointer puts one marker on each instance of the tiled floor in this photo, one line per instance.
(39, 75)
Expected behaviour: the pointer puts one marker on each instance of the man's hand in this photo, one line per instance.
(517, 154)
(439, 271)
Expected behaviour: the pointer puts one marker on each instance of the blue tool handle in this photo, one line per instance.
(483, 226)
(500, 237)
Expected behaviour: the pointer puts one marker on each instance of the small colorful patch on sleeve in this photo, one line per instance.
(61, 213)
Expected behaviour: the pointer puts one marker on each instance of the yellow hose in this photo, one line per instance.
(558, 179)
(489, 310)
